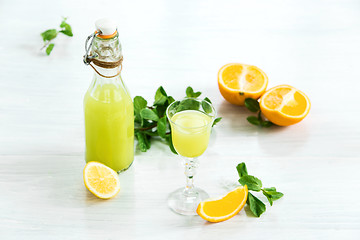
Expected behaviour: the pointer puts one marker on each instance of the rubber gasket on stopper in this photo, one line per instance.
(107, 36)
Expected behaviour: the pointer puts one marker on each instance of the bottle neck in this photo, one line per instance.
(106, 73)
(108, 60)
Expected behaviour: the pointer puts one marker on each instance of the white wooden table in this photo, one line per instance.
(312, 45)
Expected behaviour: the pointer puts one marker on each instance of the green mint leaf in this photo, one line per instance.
(207, 99)
(259, 117)
(169, 140)
(147, 141)
(62, 25)
(170, 100)
(206, 106)
(276, 195)
(271, 194)
(149, 114)
(266, 124)
(191, 94)
(137, 121)
(196, 94)
(139, 104)
(160, 96)
(146, 123)
(188, 104)
(67, 32)
(270, 189)
(189, 91)
(252, 104)
(216, 121)
(161, 127)
(160, 109)
(241, 169)
(137, 125)
(253, 183)
(49, 34)
(49, 48)
(66, 28)
(141, 141)
(257, 207)
(253, 120)
(268, 196)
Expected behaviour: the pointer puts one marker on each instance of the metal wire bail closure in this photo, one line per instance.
(87, 59)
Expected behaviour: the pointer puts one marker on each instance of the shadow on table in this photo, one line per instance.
(91, 199)
(283, 141)
(248, 211)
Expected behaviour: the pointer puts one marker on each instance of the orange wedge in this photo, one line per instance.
(221, 209)
(284, 105)
(239, 81)
(101, 180)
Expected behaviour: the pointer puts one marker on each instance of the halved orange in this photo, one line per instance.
(284, 105)
(223, 208)
(239, 81)
(101, 180)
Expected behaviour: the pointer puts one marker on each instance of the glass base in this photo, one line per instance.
(186, 203)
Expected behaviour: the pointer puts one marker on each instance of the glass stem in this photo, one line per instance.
(190, 170)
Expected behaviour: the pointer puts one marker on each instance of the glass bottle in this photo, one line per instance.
(108, 107)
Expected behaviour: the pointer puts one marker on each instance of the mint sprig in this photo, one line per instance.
(271, 194)
(51, 34)
(151, 121)
(257, 207)
(254, 106)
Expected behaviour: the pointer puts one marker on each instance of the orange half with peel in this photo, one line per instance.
(240, 81)
(284, 105)
(223, 208)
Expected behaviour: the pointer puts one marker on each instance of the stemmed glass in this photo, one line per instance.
(191, 120)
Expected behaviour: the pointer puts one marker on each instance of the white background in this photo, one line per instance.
(312, 45)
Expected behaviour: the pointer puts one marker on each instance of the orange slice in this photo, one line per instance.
(101, 180)
(221, 209)
(239, 81)
(284, 105)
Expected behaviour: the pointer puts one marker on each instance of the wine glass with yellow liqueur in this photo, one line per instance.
(191, 121)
